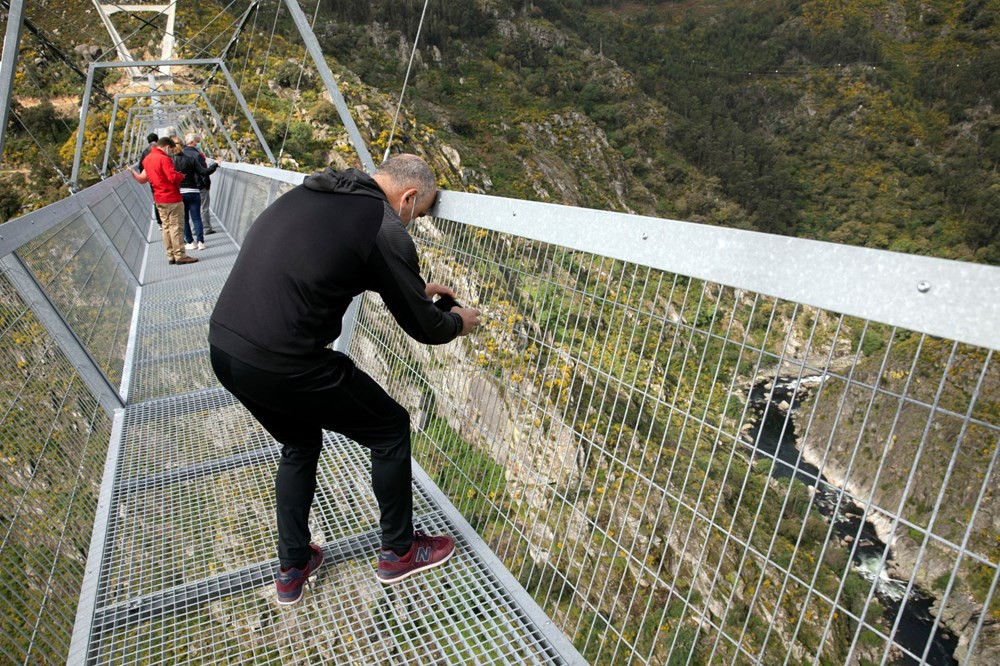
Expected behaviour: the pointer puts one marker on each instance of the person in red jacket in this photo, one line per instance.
(158, 170)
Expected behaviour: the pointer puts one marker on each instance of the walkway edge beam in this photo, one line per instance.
(312, 45)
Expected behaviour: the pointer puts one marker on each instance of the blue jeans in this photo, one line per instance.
(192, 210)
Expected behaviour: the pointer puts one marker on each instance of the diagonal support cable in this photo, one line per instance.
(312, 45)
(406, 79)
(232, 42)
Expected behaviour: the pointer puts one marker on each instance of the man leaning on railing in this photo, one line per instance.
(302, 262)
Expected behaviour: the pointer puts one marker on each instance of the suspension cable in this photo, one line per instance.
(402, 92)
(232, 40)
(47, 43)
(236, 33)
(298, 84)
(254, 8)
(246, 60)
(41, 148)
(207, 46)
(43, 94)
(59, 116)
(234, 45)
(267, 57)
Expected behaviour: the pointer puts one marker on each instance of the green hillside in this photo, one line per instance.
(870, 122)
(864, 122)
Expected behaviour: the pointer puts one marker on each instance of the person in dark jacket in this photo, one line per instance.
(205, 188)
(190, 163)
(303, 260)
(151, 138)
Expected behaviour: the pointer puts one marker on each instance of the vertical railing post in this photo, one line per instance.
(8, 66)
(127, 136)
(312, 45)
(246, 112)
(111, 132)
(74, 177)
(347, 325)
(225, 132)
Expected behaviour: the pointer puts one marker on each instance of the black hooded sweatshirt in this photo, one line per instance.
(304, 259)
(192, 165)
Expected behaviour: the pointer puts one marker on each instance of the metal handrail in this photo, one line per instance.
(941, 297)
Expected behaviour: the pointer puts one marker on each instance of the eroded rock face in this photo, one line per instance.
(477, 406)
(579, 166)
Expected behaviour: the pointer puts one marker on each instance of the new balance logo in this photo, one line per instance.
(424, 554)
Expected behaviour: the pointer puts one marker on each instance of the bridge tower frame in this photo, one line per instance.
(166, 45)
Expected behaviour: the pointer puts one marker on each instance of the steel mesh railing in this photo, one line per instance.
(55, 437)
(244, 193)
(88, 265)
(685, 472)
(79, 259)
(681, 471)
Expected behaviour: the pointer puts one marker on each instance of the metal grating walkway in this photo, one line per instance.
(186, 570)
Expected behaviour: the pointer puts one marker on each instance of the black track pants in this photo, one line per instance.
(295, 409)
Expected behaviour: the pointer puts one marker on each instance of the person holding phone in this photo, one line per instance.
(304, 259)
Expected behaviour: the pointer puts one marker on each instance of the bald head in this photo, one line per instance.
(409, 185)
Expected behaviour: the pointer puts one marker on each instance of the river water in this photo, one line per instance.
(917, 620)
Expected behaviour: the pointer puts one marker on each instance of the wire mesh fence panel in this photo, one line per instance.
(684, 472)
(243, 194)
(138, 202)
(89, 286)
(244, 197)
(55, 438)
(115, 218)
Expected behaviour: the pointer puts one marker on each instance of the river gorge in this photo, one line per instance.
(774, 435)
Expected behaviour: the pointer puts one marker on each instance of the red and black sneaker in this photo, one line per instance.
(289, 582)
(426, 552)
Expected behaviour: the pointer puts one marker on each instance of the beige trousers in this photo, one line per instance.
(172, 215)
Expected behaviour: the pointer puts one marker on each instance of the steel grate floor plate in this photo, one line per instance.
(186, 574)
